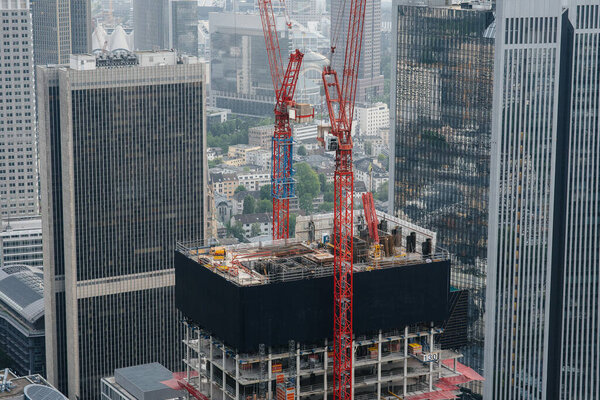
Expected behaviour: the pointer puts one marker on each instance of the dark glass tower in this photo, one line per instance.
(183, 26)
(60, 28)
(123, 167)
(441, 112)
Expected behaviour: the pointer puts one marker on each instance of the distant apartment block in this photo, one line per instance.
(127, 132)
(371, 117)
(261, 136)
(18, 146)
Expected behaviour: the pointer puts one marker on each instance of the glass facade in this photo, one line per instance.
(443, 101)
(149, 24)
(183, 26)
(240, 75)
(124, 156)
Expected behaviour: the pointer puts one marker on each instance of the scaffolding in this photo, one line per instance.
(407, 363)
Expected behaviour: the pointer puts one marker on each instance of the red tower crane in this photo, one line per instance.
(340, 105)
(284, 83)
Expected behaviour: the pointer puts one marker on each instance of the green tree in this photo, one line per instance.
(293, 225)
(323, 182)
(236, 231)
(384, 160)
(302, 151)
(215, 162)
(368, 148)
(305, 202)
(263, 206)
(307, 178)
(240, 188)
(255, 229)
(265, 192)
(326, 206)
(249, 205)
(382, 192)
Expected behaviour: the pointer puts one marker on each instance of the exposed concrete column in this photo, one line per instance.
(325, 362)
(431, 362)
(224, 377)
(297, 370)
(353, 367)
(237, 376)
(379, 344)
(270, 373)
(405, 358)
(187, 351)
(211, 362)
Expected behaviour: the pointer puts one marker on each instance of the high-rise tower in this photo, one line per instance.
(370, 79)
(441, 112)
(60, 28)
(542, 335)
(18, 147)
(123, 169)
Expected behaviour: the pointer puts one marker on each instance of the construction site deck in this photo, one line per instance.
(274, 291)
(311, 255)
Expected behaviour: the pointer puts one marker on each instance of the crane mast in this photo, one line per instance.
(284, 84)
(340, 105)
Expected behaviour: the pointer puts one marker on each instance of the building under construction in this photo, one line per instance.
(259, 318)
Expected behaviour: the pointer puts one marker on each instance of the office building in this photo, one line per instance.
(166, 24)
(441, 129)
(128, 132)
(18, 152)
(22, 318)
(183, 26)
(21, 242)
(60, 28)
(240, 75)
(248, 347)
(542, 337)
(27, 387)
(371, 117)
(141, 382)
(370, 79)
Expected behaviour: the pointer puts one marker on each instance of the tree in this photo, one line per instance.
(384, 160)
(292, 225)
(263, 206)
(326, 206)
(265, 192)
(323, 182)
(240, 188)
(307, 178)
(382, 192)
(237, 231)
(302, 151)
(306, 202)
(255, 229)
(249, 205)
(368, 148)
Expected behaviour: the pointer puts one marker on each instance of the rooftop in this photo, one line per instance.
(34, 386)
(145, 382)
(22, 289)
(295, 259)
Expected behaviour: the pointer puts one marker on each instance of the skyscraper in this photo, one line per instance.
(370, 79)
(60, 28)
(183, 26)
(122, 143)
(18, 147)
(542, 335)
(166, 24)
(441, 112)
